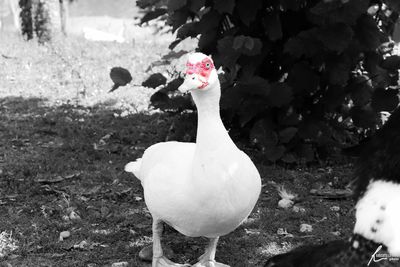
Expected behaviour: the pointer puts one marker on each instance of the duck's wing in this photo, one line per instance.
(166, 159)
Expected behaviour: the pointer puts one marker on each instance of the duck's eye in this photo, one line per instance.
(193, 78)
(207, 65)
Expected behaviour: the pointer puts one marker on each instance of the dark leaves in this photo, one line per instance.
(272, 25)
(210, 21)
(174, 55)
(120, 77)
(339, 70)
(340, 11)
(247, 45)
(297, 74)
(305, 152)
(208, 27)
(336, 37)
(160, 100)
(363, 117)
(361, 91)
(155, 80)
(153, 14)
(173, 85)
(248, 10)
(368, 33)
(196, 5)
(385, 100)
(292, 4)
(305, 43)
(275, 153)
(250, 109)
(174, 43)
(255, 86)
(281, 94)
(393, 4)
(228, 55)
(303, 79)
(262, 133)
(176, 4)
(264, 137)
(287, 134)
(207, 41)
(146, 3)
(188, 30)
(178, 18)
(391, 63)
(224, 6)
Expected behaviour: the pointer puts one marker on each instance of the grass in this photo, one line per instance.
(63, 151)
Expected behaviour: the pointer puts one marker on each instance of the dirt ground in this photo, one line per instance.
(62, 170)
(65, 141)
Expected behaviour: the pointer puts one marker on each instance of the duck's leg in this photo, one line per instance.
(208, 258)
(159, 260)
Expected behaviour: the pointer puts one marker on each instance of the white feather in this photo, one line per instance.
(134, 167)
(378, 215)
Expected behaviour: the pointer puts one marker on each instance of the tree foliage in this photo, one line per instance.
(299, 75)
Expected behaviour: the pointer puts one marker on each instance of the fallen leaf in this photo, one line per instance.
(74, 216)
(120, 264)
(50, 180)
(332, 193)
(64, 235)
(335, 208)
(298, 209)
(284, 232)
(306, 228)
(81, 245)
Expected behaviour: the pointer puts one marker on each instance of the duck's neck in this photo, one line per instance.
(211, 133)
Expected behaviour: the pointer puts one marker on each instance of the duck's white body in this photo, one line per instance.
(209, 197)
(205, 188)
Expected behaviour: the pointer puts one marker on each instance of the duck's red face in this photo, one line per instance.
(203, 69)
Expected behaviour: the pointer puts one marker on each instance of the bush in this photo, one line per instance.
(300, 76)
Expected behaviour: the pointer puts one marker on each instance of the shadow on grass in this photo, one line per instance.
(61, 169)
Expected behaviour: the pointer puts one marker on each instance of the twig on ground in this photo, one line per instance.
(8, 57)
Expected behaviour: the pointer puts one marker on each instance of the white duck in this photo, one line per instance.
(207, 188)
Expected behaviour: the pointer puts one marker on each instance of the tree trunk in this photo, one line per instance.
(47, 19)
(26, 18)
(64, 15)
(44, 18)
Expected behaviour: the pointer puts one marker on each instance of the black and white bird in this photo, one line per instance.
(376, 235)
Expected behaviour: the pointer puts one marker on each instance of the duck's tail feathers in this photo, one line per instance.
(134, 167)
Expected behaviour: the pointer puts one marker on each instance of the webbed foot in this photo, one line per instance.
(146, 253)
(208, 258)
